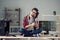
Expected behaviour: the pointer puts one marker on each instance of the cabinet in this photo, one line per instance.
(13, 14)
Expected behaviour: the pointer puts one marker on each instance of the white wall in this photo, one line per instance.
(46, 7)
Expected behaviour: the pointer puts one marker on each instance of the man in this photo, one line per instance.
(30, 23)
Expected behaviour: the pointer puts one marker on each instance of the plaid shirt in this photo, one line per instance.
(27, 20)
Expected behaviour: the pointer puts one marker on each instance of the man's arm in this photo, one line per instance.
(26, 24)
(36, 22)
(30, 25)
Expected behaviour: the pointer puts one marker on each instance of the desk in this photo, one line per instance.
(27, 38)
(18, 36)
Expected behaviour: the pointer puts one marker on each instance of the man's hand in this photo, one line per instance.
(30, 25)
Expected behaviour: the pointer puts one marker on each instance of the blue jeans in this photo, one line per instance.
(30, 32)
(37, 31)
(26, 32)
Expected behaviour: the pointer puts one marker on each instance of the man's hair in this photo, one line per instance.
(36, 11)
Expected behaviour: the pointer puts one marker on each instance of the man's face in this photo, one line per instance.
(33, 13)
